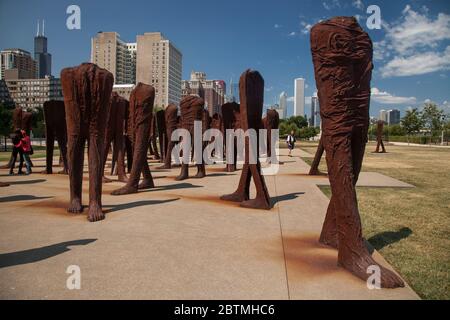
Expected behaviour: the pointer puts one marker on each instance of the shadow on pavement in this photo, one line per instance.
(383, 239)
(286, 197)
(39, 254)
(130, 205)
(21, 197)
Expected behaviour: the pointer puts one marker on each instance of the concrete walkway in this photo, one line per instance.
(178, 241)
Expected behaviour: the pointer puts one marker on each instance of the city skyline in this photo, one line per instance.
(225, 50)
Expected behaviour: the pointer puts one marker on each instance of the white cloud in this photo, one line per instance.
(292, 34)
(384, 97)
(358, 4)
(418, 31)
(331, 5)
(268, 89)
(277, 26)
(417, 64)
(306, 28)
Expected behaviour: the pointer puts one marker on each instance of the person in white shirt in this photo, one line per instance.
(290, 140)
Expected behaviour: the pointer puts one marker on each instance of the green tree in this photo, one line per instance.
(433, 118)
(396, 130)
(412, 122)
(5, 121)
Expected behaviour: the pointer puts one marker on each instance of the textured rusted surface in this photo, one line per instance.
(87, 91)
(231, 121)
(152, 145)
(115, 134)
(272, 121)
(170, 125)
(380, 126)
(314, 170)
(191, 108)
(55, 129)
(17, 118)
(342, 57)
(251, 90)
(141, 107)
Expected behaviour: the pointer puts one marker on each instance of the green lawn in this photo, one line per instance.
(39, 152)
(410, 227)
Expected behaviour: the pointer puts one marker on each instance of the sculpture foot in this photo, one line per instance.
(75, 206)
(64, 171)
(95, 212)
(329, 240)
(106, 180)
(200, 174)
(124, 190)
(46, 172)
(256, 204)
(146, 184)
(358, 264)
(164, 166)
(234, 197)
(182, 177)
(123, 179)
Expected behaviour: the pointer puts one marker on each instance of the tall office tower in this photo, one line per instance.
(42, 57)
(393, 117)
(283, 105)
(315, 111)
(212, 91)
(118, 57)
(383, 115)
(299, 97)
(17, 64)
(159, 63)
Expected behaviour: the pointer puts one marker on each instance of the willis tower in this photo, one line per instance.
(42, 57)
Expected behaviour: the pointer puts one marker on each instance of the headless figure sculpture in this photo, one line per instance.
(380, 126)
(251, 90)
(191, 108)
(272, 122)
(170, 119)
(216, 123)
(314, 170)
(231, 121)
(141, 107)
(87, 91)
(114, 134)
(342, 57)
(55, 128)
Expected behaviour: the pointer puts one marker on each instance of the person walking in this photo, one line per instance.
(27, 150)
(290, 140)
(17, 150)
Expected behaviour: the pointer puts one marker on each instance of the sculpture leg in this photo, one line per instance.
(383, 150)
(168, 158)
(119, 150)
(184, 174)
(262, 199)
(201, 172)
(243, 190)
(49, 147)
(105, 158)
(62, 143)
(75, 155)
(314, 170)
(129, 150)
(147, 182)
(96, 166)
(353, 254)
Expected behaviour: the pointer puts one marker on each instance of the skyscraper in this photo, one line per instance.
(393, 117)
(314, 120)
(383, 115)
(42, 57)
(299, 97)
(152, 59)
(17, 64)
(283, 105)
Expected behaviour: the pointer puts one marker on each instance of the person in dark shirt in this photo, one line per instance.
(16, 138)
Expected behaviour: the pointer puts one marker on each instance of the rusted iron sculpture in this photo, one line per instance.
(231, 121)
(141, 107)
(251, 89)
(191, 108)
(115, 135)
(272, 122)
(87, 91)
(170, 124)
(342, 56)
(162, 136)
(152, 146)
(55, 129)
(380, 126)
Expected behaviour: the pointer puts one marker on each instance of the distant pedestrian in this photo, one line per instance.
(27, 150)
(290, 140)
(17, 150)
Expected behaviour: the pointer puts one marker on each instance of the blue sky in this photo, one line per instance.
(223, 38)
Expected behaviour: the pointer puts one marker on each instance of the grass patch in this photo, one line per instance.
(410, 227)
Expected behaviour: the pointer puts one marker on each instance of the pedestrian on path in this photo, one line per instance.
(17, 150)
(290, 140)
